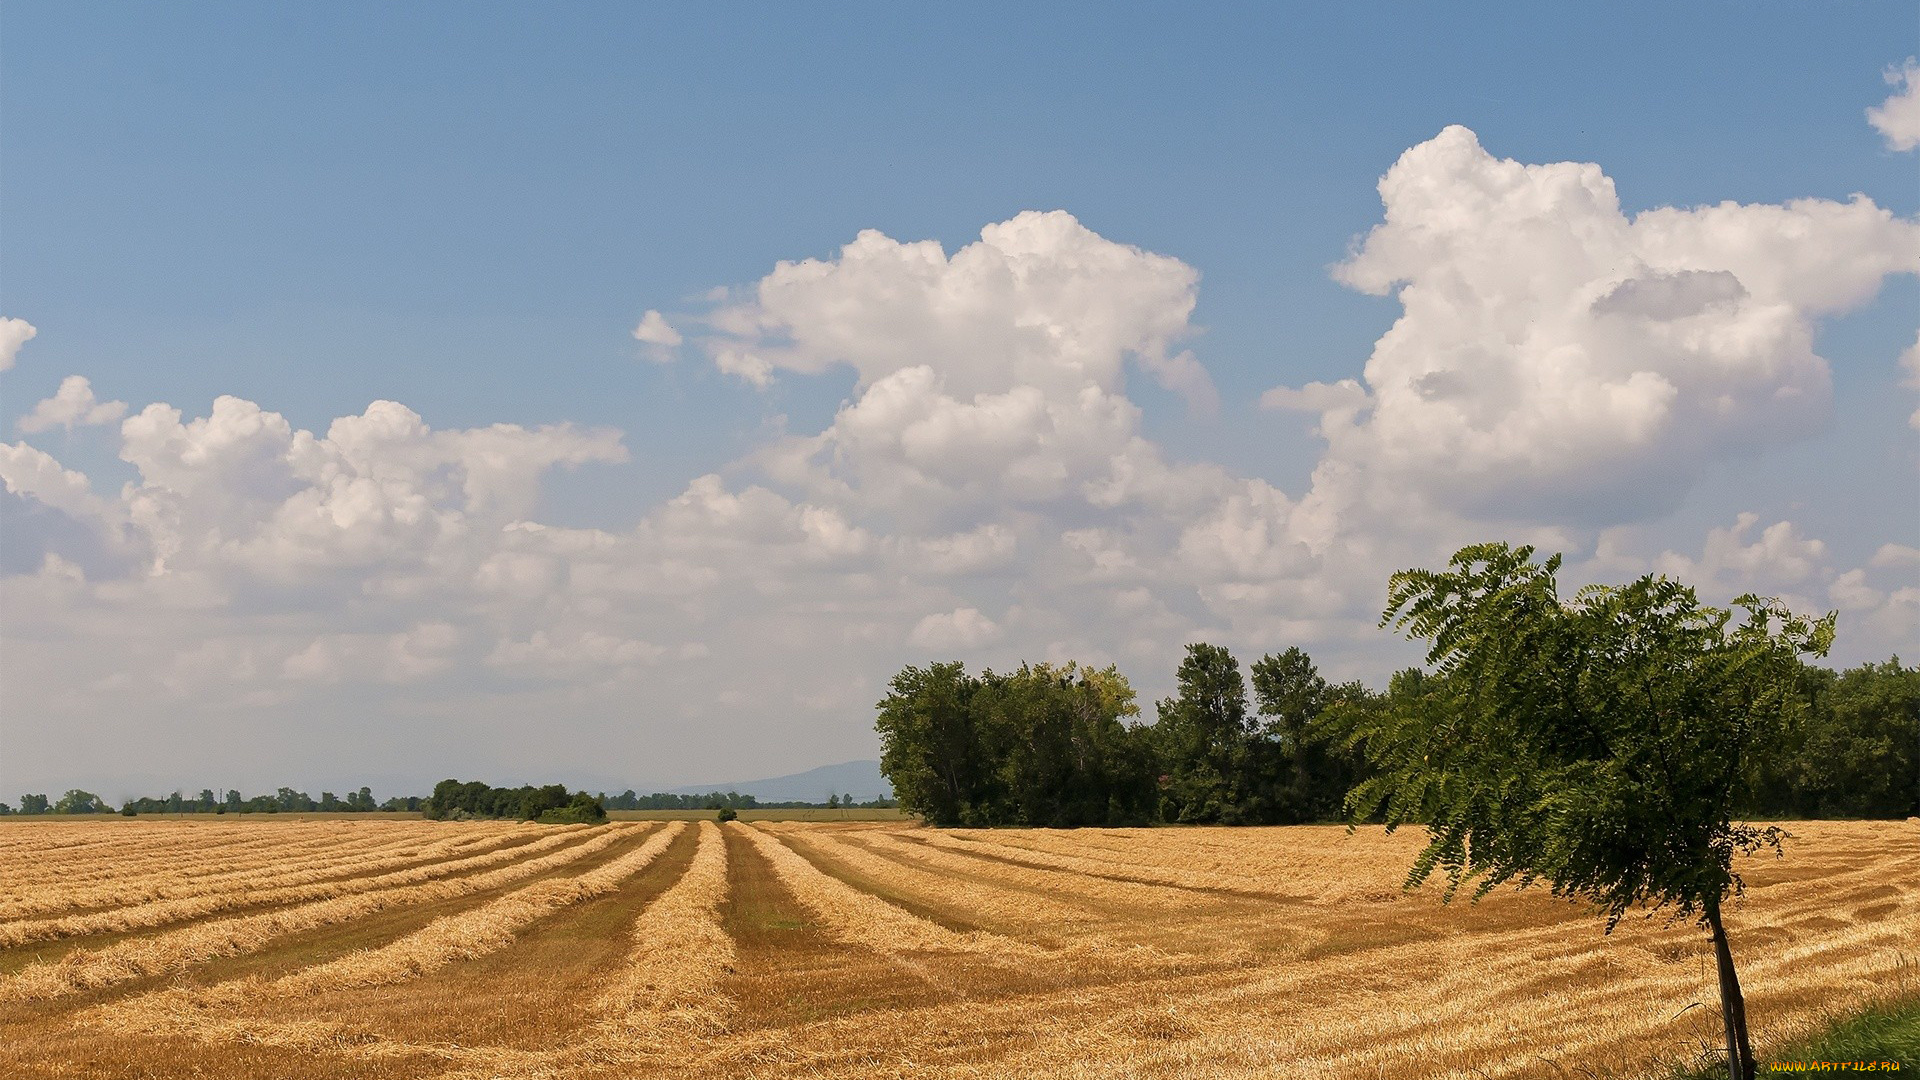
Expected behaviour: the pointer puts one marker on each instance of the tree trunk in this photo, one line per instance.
(1733, 1007)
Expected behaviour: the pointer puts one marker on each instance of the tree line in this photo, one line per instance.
(1062, 746)
(289, 801)
(283, 801)
(551, 804)
(729, 800)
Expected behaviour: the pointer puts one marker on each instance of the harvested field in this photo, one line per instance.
(405, 948)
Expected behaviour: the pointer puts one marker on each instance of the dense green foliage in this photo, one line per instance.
(1061, 746)
(582, 809)
(1049, 745)
(551, 804)
(1598, 743)
(77, 801)
(1042, 745)
(1854, 753)
(1205, 742)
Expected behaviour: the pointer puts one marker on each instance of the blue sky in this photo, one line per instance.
(467, 208)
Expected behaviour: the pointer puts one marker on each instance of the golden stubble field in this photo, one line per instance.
(342, 948)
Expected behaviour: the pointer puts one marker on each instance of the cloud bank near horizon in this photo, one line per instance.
(1561, 373)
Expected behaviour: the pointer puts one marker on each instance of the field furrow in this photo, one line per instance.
(213, 1011)
(669, 988)
(266, 871)
(206, 849)
(88, 969)
(863, 919)
(163, 912)
(1036, 873)
(1032, 911)
(474, 933)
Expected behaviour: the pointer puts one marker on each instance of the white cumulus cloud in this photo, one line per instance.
(660, 341)
(653, 330)
(1897, 119)
(1038, 300)
(73, 405)
(13, 334)
(1557, 357)
(961, 628)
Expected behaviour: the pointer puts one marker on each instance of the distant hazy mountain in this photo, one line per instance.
(861, 779)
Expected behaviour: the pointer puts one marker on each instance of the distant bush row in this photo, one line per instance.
(552, 804)
(283, 801)
(730, 800)
(466, 801)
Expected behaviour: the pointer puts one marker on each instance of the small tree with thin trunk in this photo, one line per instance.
(1595, 744)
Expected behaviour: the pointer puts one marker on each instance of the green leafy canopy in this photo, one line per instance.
(1597, 744)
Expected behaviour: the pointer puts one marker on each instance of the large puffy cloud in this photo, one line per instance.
(1038, 300)
(241, 488)
(1898, 118)
(1558, 358)
(987, 381)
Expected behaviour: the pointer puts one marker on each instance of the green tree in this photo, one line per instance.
(1597, 744)
(1875, 742)
(1062, 755)
(1204, 737)
(1856, 753)
(581, 809)
(33, 804)
(930, 749)
(1043, 745)
(1303, 774)
(77, 801)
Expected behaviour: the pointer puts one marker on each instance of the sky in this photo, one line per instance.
(622, 394)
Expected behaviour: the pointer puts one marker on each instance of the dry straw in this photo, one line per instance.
(669, 987)
(1516, 986)
(175, 950)
(968, 898)
(162, 912)
(266, 869)
(860, 918)
(472, 934)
